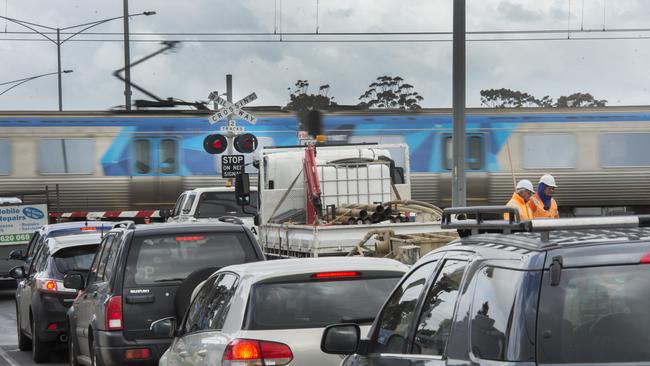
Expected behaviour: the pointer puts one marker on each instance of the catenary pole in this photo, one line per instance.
(459, 192)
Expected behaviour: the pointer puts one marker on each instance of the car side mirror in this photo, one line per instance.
(341, 339)
(17, 272)
(243, 189)
(165, 213)
(16, 254)
(165, 327)
(74, 281)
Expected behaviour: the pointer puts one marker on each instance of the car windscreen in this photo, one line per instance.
(170, 258)
(596, 315)
(316, 304)
(217, 204)
(78, 258)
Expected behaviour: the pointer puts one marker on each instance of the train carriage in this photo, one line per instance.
(106, 161)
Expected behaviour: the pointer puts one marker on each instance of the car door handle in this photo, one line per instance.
(183, 354)
(202, 353)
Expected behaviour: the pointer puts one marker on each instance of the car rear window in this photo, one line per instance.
(216, 204)
(75, 259)
(169, 258)
(78, 231)
(315, 304)
(596, 315)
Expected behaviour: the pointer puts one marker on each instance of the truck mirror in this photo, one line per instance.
(243, 189)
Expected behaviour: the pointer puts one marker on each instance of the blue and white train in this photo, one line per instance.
(143, 160)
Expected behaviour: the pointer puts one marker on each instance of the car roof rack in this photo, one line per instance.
(471, 221)
(231, 220)
(127, 224)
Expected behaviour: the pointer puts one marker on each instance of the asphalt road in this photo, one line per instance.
(9, 353)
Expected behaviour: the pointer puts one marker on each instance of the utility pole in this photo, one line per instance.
(127, 59)
(458, 183)
(58, 58)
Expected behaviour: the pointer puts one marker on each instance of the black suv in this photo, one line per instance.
(143, 273)
(42, 301)
(566, 291)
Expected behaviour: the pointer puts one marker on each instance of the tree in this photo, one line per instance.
(507, 98)
(576, 100)
(301, 101)
(390, 92)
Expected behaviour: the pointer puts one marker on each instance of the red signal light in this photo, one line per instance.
(246, 143)
(215, 144)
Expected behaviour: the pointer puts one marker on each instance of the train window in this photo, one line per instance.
(168, 156)
(624, 149)
(66, 156)
(5, 157)
(474, 152)
(549, 150)
(143, 156)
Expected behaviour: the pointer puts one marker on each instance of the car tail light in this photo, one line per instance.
(190, 238)
(137, 354)
(53, 326)
(645, 259)
(114, 313)
(251, 352)
(88, 229)
(52, 286)
(339, 274)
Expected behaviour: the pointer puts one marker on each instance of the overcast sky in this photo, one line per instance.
(615, 70)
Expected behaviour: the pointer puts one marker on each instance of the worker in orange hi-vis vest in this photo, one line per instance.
(523, 192)
(542, 204)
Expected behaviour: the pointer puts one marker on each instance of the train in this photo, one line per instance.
(108, 160)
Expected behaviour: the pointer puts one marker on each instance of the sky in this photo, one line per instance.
(613, 69)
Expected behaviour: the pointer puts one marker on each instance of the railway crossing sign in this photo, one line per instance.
(232, 165)
(232, 108)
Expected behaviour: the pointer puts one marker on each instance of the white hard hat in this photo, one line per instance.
(548, 180)
(525, 184)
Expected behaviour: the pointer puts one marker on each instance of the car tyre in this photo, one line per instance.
(24, 343)
(94, 360)
(72, 352)
(40, 349)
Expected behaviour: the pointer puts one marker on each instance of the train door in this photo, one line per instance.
(475, 169)
(155, 172)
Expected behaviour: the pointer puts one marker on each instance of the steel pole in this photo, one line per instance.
(58, 59)
(127, 59)
(458, 185)
(231, 122)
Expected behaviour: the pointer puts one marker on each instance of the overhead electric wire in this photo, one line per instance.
(530, 31)
(339, 40)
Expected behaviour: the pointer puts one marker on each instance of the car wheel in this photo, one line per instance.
(94, 360)
(40, 349)
(24, 343)
(72, 352)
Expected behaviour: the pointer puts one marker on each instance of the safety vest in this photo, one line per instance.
(517, 202)
(537, 208)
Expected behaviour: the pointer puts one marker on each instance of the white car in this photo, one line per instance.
(274, 312)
